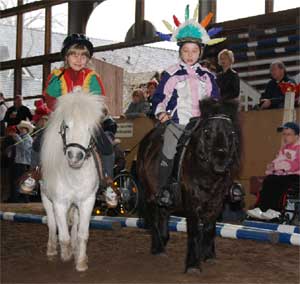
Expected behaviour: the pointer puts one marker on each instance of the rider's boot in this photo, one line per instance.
(29, 183)
(164, 196)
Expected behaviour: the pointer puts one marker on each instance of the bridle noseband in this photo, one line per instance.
(87, 151)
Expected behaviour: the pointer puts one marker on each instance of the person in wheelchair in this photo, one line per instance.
(282, 174)
(176, 99)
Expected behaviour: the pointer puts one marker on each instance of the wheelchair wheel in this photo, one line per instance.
(126, 185)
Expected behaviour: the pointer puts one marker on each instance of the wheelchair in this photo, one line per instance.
(124, 188)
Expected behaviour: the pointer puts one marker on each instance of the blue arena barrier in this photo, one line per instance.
(273, 226)
(30, 218)
(176, 224)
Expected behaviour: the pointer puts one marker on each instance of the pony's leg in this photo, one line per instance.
(194, 247)
(61, 211)
(208, 243)
(157, 239)
(52, 240)
(85, 212)
(74, 214)
(164, 215)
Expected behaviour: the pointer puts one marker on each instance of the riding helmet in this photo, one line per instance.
(80, 39)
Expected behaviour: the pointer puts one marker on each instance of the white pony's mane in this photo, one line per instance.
(84, 109)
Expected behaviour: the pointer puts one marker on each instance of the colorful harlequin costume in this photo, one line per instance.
(181, 88)
(63, 81)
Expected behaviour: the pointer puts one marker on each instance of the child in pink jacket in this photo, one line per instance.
(282, 173)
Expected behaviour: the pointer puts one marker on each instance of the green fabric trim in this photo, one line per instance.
(94, 86)
(54, 87)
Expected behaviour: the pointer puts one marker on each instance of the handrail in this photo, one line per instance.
(249, 96)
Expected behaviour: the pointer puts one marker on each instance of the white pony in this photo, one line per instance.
(70, 177)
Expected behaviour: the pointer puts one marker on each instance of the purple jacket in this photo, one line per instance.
(180, 90)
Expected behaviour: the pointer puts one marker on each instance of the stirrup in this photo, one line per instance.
(164, 198)
(29, 186)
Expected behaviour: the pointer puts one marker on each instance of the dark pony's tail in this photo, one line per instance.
(145, 169)
(140, 172)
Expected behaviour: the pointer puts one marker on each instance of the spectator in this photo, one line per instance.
(3, 109)
(17, 112)
(228, 80)
(41, 110)
(272, 96)
(8, 154)
(282, 173)
(138, 107)
(108, 123)
(40, 120)
(23, 147)
(208, 65)
(151, 87)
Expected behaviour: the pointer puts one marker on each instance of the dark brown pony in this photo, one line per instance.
(212, 158)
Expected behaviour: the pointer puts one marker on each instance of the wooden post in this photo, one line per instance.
(269, 6)
(205, 7)
(19, 44)
(139, 19)
(47, 46)
(289, 113)
(79, 13)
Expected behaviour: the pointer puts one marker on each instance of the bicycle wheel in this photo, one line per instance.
(126, 185)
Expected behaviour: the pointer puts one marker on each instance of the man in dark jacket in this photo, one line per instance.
(17, 112)
(272, 96)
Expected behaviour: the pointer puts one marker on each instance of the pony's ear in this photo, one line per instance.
(208, 107)
(229, 107)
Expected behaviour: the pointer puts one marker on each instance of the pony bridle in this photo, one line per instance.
(87, 151)
(223, 117)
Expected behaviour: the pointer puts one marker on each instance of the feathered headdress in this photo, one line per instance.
(191, 30)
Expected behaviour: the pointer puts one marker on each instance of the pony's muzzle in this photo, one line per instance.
(75, 157)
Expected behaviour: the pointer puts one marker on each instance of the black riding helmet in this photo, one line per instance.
(191, 40)
(76, 39)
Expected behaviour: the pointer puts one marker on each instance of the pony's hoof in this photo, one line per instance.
(66, 251)
(193, 271)
(210, 261)
(52, 257)
(162, 254)
(51, 254)
(81, 266)
(66, 256)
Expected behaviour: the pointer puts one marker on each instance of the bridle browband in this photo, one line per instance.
(220, 116)
(87, 151)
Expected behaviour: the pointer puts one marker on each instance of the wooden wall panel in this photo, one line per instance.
(112, 77)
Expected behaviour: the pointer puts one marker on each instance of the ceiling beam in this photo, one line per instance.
(29, 7)
(54, 57)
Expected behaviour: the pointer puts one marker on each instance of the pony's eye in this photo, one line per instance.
(206, 133)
